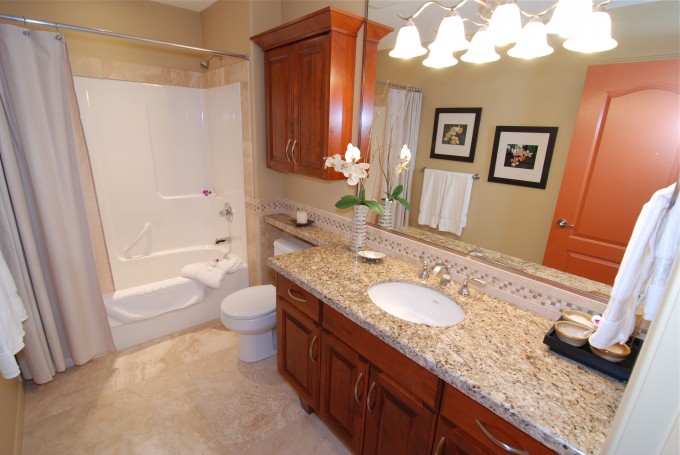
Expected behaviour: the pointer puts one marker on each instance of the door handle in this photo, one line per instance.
(498, 442)
(368, 400)
(311, 349)
(356, 388)
(562, 223)
(292, 151)
(287, 145)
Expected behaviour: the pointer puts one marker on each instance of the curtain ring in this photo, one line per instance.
(26, 31)
(58, 36)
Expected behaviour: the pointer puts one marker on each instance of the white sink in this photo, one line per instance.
(415, 303)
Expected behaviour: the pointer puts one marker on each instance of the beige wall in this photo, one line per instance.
(543, 92)
(11, 415)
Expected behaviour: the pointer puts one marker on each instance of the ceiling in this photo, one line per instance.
(193, 5)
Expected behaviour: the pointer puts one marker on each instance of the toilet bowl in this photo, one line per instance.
(252, 312)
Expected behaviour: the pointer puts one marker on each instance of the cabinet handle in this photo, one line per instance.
(311, 349)
(440, 446)
(287, 145)
(292, 151)
(500, 444)
(356, 388)
(295, 297)
(368, 399)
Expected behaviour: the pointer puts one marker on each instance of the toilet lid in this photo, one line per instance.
(250, 303)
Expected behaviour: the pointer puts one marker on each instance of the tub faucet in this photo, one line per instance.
(222, 240)
(464, 291)
(445, 279)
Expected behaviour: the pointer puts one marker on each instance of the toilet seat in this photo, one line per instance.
(250, 303)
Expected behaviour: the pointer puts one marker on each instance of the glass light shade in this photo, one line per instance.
(481, 49)
(532, 43)
(440, 58)
(451, 35)
(595, 35)
(408, 43)
(568, 17)
(506, 25)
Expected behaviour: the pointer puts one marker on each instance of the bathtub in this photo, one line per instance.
(153, 300)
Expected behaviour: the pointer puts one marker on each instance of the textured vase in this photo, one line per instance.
(385, 220)
(357, 237)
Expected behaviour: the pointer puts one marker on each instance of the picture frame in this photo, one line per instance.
(455, 133)
(522, 154)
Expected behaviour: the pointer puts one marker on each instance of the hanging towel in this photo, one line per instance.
(434, 184)
(644, 269)
(456, 200)
(212, 273)
(12, 314)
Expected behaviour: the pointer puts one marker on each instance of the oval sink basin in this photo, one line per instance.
(415, 303)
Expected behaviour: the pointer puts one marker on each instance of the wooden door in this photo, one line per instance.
(344, 380)
(625, 147)
(396, 421)
(279, 112)
(310, 108)
(451, 440)
(298, 346)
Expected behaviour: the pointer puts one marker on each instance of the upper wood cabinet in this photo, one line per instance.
(309, 67)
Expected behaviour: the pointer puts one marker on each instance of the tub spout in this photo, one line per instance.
(222, 240)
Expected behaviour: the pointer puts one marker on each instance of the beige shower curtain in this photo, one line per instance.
(44, 233)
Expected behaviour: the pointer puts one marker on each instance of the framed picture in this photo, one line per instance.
(522, 154)
(455, 133)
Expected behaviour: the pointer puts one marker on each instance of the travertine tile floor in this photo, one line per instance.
(186, 393)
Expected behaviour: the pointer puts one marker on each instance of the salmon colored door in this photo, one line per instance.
(625, 147)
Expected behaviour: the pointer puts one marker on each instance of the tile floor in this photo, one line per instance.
(186, 393)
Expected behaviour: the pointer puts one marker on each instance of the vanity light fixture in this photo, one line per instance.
(585, 26)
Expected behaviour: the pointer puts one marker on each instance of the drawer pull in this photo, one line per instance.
(311, 349)
(296, 296)
(287, 145)
(500, 444)
(356, 388)
(368, 399)
(292, 151)
(440, 446)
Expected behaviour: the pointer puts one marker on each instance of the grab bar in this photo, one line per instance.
(126, 251)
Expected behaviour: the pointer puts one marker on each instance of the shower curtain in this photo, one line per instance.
(44, 233)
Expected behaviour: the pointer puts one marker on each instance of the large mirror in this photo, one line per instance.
(508, 223)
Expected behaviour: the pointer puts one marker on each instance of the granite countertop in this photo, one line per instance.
(496, 355)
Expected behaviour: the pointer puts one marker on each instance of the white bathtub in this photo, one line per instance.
(153, 300)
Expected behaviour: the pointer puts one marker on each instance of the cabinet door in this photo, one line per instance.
(396, 421)
(298, 352)
(451, 440)
(344, 379)
(278, 103)
(311, 73)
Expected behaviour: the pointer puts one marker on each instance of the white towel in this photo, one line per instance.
(434, 184)
(212, 273)
(456, 200)
(644, 269)
(12, 314)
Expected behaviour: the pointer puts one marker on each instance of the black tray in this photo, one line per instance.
(583, 355)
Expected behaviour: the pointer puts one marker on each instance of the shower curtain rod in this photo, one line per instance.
(403, 87)
(98, 31)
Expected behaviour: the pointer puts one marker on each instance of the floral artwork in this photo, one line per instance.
(454, 134)
(521, 156)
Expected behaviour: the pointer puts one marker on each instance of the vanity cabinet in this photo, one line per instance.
(309, 90)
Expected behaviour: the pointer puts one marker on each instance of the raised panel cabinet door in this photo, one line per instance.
(298, 339)
(451, 440)
(311, 73)
(279, 112)
(344, 379)
(396, 421)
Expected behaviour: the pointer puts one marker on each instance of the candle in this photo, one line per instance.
(301, 217)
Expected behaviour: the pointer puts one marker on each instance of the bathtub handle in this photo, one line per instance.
(300, 299)
(311, 349)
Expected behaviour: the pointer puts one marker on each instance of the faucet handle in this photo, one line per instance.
(425, 272)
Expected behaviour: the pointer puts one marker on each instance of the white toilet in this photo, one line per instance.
(252, 312)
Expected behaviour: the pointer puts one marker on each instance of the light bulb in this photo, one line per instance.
(595, 35)
(506, 25)
(408, 42)
(568, 17)
(481, 48)
(532, 41)
(440, 58)
(451, 34)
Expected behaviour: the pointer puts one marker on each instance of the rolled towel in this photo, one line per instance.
(212, 273)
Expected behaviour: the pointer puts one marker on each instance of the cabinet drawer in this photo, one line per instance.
(467, 414)
(298, 297)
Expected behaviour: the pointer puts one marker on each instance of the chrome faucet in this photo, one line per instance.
(425, 272)
(445, 279)
(464, 291)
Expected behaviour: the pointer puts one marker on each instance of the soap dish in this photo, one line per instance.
(371, 256)
(309, 222)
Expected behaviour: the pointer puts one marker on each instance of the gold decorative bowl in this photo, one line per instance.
(579, 317)
(572, 333)
(614, 353)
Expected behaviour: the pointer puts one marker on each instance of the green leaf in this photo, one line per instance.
(375, 206)
(397, 191)
(404, 202)
(347, 201)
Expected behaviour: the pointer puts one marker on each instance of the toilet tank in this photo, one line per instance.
(288, 245)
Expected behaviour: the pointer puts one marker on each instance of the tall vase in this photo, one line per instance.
(358, 235)
(385, 220)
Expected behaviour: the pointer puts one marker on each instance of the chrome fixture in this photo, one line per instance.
(584, 24)
(445, 279)
(464, 291)
(205, 64)
(562, 223)
(227, 212)
(476, 253)
(425, 272)
(223, 240)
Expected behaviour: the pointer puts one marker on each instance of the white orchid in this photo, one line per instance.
(405, 153)
(352, 155)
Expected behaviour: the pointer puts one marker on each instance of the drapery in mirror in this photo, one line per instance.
(44, 232)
